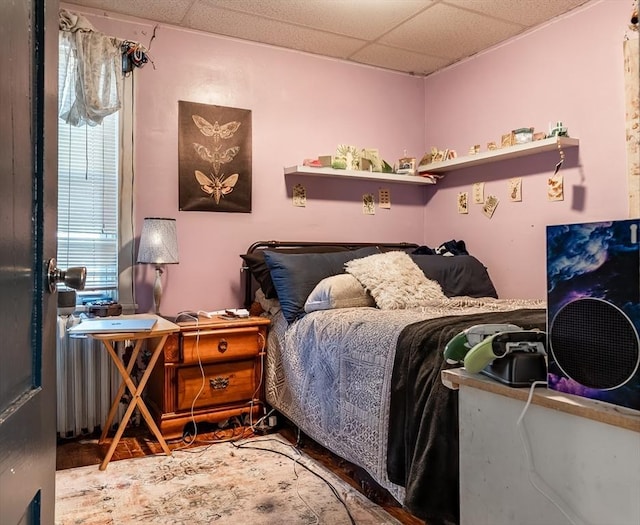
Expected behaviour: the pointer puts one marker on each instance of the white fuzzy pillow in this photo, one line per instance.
(394, 280)
(338, 291)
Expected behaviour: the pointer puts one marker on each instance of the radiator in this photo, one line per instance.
(87, 382)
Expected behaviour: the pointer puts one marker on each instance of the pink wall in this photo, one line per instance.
(302, 106)
(571, 70)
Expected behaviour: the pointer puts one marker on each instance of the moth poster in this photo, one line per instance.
(214, 156)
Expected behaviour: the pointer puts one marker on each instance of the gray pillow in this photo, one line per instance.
(295, 275)
(338, 291)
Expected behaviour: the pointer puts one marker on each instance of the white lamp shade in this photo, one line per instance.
(158, 241)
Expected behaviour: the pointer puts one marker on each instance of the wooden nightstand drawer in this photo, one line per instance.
(232, 354)
(217, 344)
(224, 383)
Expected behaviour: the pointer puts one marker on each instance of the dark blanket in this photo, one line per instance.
(423, 421)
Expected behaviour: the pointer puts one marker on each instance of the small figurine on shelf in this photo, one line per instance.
(407, 166)
(558, 131)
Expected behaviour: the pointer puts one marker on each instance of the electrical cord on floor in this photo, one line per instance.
(204, 444)
(233, 439)
(534, 478)
(192, 440)
(296, 461)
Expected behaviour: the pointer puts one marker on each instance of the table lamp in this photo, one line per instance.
(158, 246)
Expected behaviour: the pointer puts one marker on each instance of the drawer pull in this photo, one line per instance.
(219, 383)
(222, 346)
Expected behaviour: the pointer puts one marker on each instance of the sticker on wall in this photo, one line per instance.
(214, 158)
(299, 196)
(384, 199)
(478, 193)
(490, 205)
(555, 188)
(368, 204)
(515, 189)
(463, 202)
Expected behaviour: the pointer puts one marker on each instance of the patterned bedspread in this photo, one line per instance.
(330, 374)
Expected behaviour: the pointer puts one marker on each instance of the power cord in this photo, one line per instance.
(265, 416)
(534, 478)
(296, 461)
(233, 439)
(191, 440)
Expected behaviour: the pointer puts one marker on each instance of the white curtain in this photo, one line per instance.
(93, 65)
(93, 88)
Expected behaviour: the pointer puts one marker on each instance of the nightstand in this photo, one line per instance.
(210, 371)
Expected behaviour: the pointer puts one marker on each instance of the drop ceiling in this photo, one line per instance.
(412, 36)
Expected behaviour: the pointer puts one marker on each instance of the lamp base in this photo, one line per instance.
(157, 290)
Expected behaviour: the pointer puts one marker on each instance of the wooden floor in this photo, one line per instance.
(138, 442)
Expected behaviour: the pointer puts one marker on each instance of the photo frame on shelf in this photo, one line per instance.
(507, 140)
(407, 166)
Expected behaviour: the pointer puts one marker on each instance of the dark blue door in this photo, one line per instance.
(28, 200)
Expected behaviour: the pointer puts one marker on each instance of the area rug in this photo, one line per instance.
(264, 480)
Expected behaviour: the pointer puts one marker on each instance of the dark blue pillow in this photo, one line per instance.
(457, 275)
(295, 275)
(260, 271)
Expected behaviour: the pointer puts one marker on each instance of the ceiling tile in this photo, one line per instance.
(449, 32)
(171, 12)
(248, 27)
(399, 59)
(365, 19)
(525, 12)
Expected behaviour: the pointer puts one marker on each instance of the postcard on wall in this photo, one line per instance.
(515, 189)
(299, 196)
(555, 188)
(214, 158)
(478, 193)
(384, 198)
(490, 205)
(368, 204)
(463, 202)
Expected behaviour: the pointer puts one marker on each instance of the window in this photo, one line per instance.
(88, 175)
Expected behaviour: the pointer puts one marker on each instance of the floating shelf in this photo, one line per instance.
(511, 152)
(355, 174)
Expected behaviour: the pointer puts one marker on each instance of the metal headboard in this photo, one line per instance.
(250, 283)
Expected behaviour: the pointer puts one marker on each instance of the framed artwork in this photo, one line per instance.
(214, 158)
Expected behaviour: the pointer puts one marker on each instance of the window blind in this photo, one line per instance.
(88, 173)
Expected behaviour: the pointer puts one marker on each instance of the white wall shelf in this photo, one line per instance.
(355, 174)
(511, 152)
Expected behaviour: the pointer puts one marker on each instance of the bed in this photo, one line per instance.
(354, 354)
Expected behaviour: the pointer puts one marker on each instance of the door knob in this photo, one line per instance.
(73, 277)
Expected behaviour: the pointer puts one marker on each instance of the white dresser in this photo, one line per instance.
(585, 455)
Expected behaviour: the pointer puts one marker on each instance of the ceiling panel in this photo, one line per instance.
(398, 59)
(365, 19)
(449, 32)
(526, 12)
(268, 31)
(172, 11)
